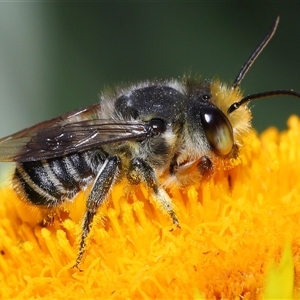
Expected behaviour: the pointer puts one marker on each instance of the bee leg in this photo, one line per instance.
(206, 167)
(139, 171)
(101, 187)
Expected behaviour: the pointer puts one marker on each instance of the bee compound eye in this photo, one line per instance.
(217, 129)
(158, 126)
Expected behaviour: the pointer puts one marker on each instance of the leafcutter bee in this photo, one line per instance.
(175, 129)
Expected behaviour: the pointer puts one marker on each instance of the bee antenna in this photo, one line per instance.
(255, 54)
(261, 95)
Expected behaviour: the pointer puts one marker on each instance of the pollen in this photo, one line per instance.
(238, 236)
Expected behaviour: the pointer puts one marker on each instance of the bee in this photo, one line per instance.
(177, 130)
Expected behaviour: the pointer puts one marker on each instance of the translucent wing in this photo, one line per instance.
(69, 133)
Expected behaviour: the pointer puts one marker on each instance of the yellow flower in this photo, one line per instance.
(231, 228)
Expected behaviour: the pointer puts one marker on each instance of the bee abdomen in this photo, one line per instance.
(49, 182)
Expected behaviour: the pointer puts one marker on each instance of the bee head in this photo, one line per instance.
(220, 112)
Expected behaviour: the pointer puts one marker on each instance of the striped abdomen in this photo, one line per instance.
(49, 182)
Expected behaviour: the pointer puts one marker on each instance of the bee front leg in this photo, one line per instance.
(139, 171)
(206, 167)
(99, 192)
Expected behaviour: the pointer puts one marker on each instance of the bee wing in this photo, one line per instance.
(65, 135)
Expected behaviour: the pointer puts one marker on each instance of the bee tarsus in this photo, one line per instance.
(103, 183)
(139, 171)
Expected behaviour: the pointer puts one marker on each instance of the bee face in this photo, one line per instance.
(157, 132)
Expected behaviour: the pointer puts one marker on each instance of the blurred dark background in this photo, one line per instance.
(56, 57)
